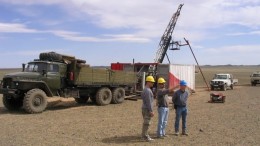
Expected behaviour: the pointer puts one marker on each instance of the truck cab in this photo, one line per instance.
(29, 88)
(52, 73)
(255, 78)
(42, 74)
(223, 81)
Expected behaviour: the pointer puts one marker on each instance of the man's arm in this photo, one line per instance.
(148, 101)
(174, 100)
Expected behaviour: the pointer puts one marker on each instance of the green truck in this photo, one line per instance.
(61, 75)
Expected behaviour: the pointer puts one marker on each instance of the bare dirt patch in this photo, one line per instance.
(235, 122)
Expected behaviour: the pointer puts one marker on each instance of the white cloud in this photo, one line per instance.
(236, 49)
(15, 28)
(33, 2)
(148, 18)
(244, 33)
(74, 36)
(70, 35)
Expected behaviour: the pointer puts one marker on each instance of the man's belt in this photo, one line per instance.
(181, 105)
(162, 106)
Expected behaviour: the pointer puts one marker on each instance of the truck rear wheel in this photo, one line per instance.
(118, 95)
(103, 96)
(82, 99)
(11, 103)
(35, 101)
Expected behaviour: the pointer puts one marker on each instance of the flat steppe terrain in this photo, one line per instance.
(234, 123)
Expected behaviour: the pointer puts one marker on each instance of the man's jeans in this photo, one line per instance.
(181, 112)
(163, 113)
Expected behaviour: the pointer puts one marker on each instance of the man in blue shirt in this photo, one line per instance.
(179, 100)
(147, 107)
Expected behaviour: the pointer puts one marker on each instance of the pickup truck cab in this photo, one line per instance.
(223, 81)
(255, 78)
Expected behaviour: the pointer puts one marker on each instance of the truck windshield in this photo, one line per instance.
(221, 77)
(36, 67)
(256, 75)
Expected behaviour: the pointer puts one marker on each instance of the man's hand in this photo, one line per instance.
(173, 88)
(151, 114)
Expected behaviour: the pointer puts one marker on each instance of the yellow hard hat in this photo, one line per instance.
(161, 80)
(149, 79)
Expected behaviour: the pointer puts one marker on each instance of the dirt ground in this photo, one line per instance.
(235, 122)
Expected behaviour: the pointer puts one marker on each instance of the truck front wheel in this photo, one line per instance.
(212, 88)
(11, 103)
(232, 86)
(103, 96)
(118, 95)
(224, 88)
(35, 101)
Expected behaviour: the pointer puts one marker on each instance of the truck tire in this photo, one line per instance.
(212, 88)
(35, 101)
(11, 103)
(231, 86)
(118, 95)
(82, 99)
(224, 88)
(223, 99)
(103, 96)
(50, 56)
(93, 99)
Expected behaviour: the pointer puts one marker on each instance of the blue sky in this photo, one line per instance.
(101, 32)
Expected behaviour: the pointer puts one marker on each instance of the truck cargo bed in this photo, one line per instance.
(94, 76)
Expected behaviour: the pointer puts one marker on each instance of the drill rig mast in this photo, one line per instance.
(166, 41)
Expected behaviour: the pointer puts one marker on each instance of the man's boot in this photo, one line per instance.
(184, 132)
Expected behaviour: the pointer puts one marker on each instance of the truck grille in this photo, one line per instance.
(7, 82)
(217, 82)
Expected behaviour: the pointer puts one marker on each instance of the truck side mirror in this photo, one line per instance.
(43, 72)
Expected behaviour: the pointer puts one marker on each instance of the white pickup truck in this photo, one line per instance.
(223, 81)
(255, 78)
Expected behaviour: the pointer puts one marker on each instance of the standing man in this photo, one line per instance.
(179, 100)
(163, 107)
(147, 107)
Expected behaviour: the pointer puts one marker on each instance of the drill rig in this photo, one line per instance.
(165, 42)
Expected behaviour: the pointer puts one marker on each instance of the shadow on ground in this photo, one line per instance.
(60, 105)
(15, 112)
(52, 106)
(123, 140)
